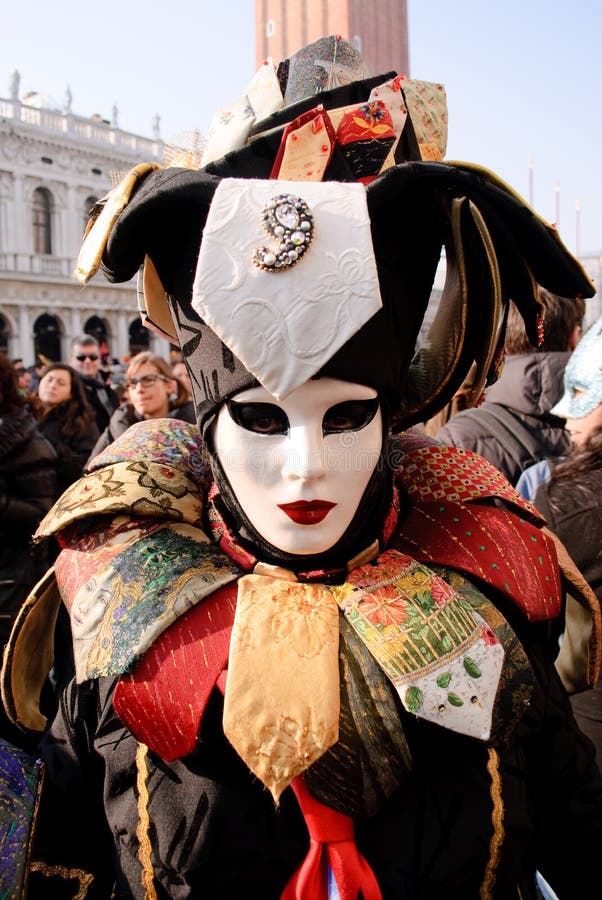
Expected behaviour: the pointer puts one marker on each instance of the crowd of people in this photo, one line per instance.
(314, 652)
(54, 419)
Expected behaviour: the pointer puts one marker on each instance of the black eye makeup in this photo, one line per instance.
(267, 418)
(352, 415)
(261, 418)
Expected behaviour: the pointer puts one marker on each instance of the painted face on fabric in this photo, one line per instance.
(299, 467)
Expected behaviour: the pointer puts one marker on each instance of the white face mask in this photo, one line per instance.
(299, 467)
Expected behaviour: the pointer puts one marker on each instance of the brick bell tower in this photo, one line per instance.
(378, 29)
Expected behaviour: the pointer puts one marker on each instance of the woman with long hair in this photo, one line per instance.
(67, 421)
(152, 392)
(571, 500)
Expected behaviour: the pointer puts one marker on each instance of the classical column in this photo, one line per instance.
(22, 241)
(75, 325)
(122, 336)
(26, 348)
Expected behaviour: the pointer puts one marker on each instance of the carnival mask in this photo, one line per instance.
(299, 466)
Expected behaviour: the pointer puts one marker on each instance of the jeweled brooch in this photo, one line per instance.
(287, 219)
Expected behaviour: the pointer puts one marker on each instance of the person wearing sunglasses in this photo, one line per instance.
(85, 359)
(151, 392)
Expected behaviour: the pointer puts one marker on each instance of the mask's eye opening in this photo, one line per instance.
(260, 418)
(351, 415)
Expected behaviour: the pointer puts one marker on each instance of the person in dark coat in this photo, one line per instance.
(523, 429)
(310, 644)
(27, 491)
(571, 500)
(152, 393)
(67, 421)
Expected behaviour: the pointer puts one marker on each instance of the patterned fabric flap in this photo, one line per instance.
(436, 472)
(437, 648)
(124, 584)
(142, 489)
(498, 547)
(427, 106)
(156, 468)
(162, 701)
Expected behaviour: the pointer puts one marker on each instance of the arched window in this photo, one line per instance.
(4, 335)
(47, 338)
(89, 204)
(139, 337)
(42, 221)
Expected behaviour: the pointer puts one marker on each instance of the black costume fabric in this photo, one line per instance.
(28, 488)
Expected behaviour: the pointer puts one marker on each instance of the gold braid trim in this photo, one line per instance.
(142, 831)
(85, 878)
(497, 818)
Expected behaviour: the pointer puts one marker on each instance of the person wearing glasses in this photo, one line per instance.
(151, 392)
(85, 359)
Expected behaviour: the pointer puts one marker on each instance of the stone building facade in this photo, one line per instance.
(54, 165)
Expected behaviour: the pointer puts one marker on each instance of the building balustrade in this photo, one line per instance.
(36, 264)
(81, 128)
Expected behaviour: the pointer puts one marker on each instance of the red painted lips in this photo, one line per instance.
(307, 512)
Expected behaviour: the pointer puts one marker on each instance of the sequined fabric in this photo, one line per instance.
(20, 780)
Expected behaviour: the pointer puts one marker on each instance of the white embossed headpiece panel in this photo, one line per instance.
(284, 302)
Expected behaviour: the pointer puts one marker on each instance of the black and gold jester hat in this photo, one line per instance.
(382, 212)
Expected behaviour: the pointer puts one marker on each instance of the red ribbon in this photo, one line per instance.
(331, 843)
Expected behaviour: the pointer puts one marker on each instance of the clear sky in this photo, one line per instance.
(523, 79)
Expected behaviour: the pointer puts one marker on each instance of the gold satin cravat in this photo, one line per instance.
(281, 704)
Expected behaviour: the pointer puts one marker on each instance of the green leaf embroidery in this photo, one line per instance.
(454, 699)
(444, 680)
(471, 667)
(414, 698)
